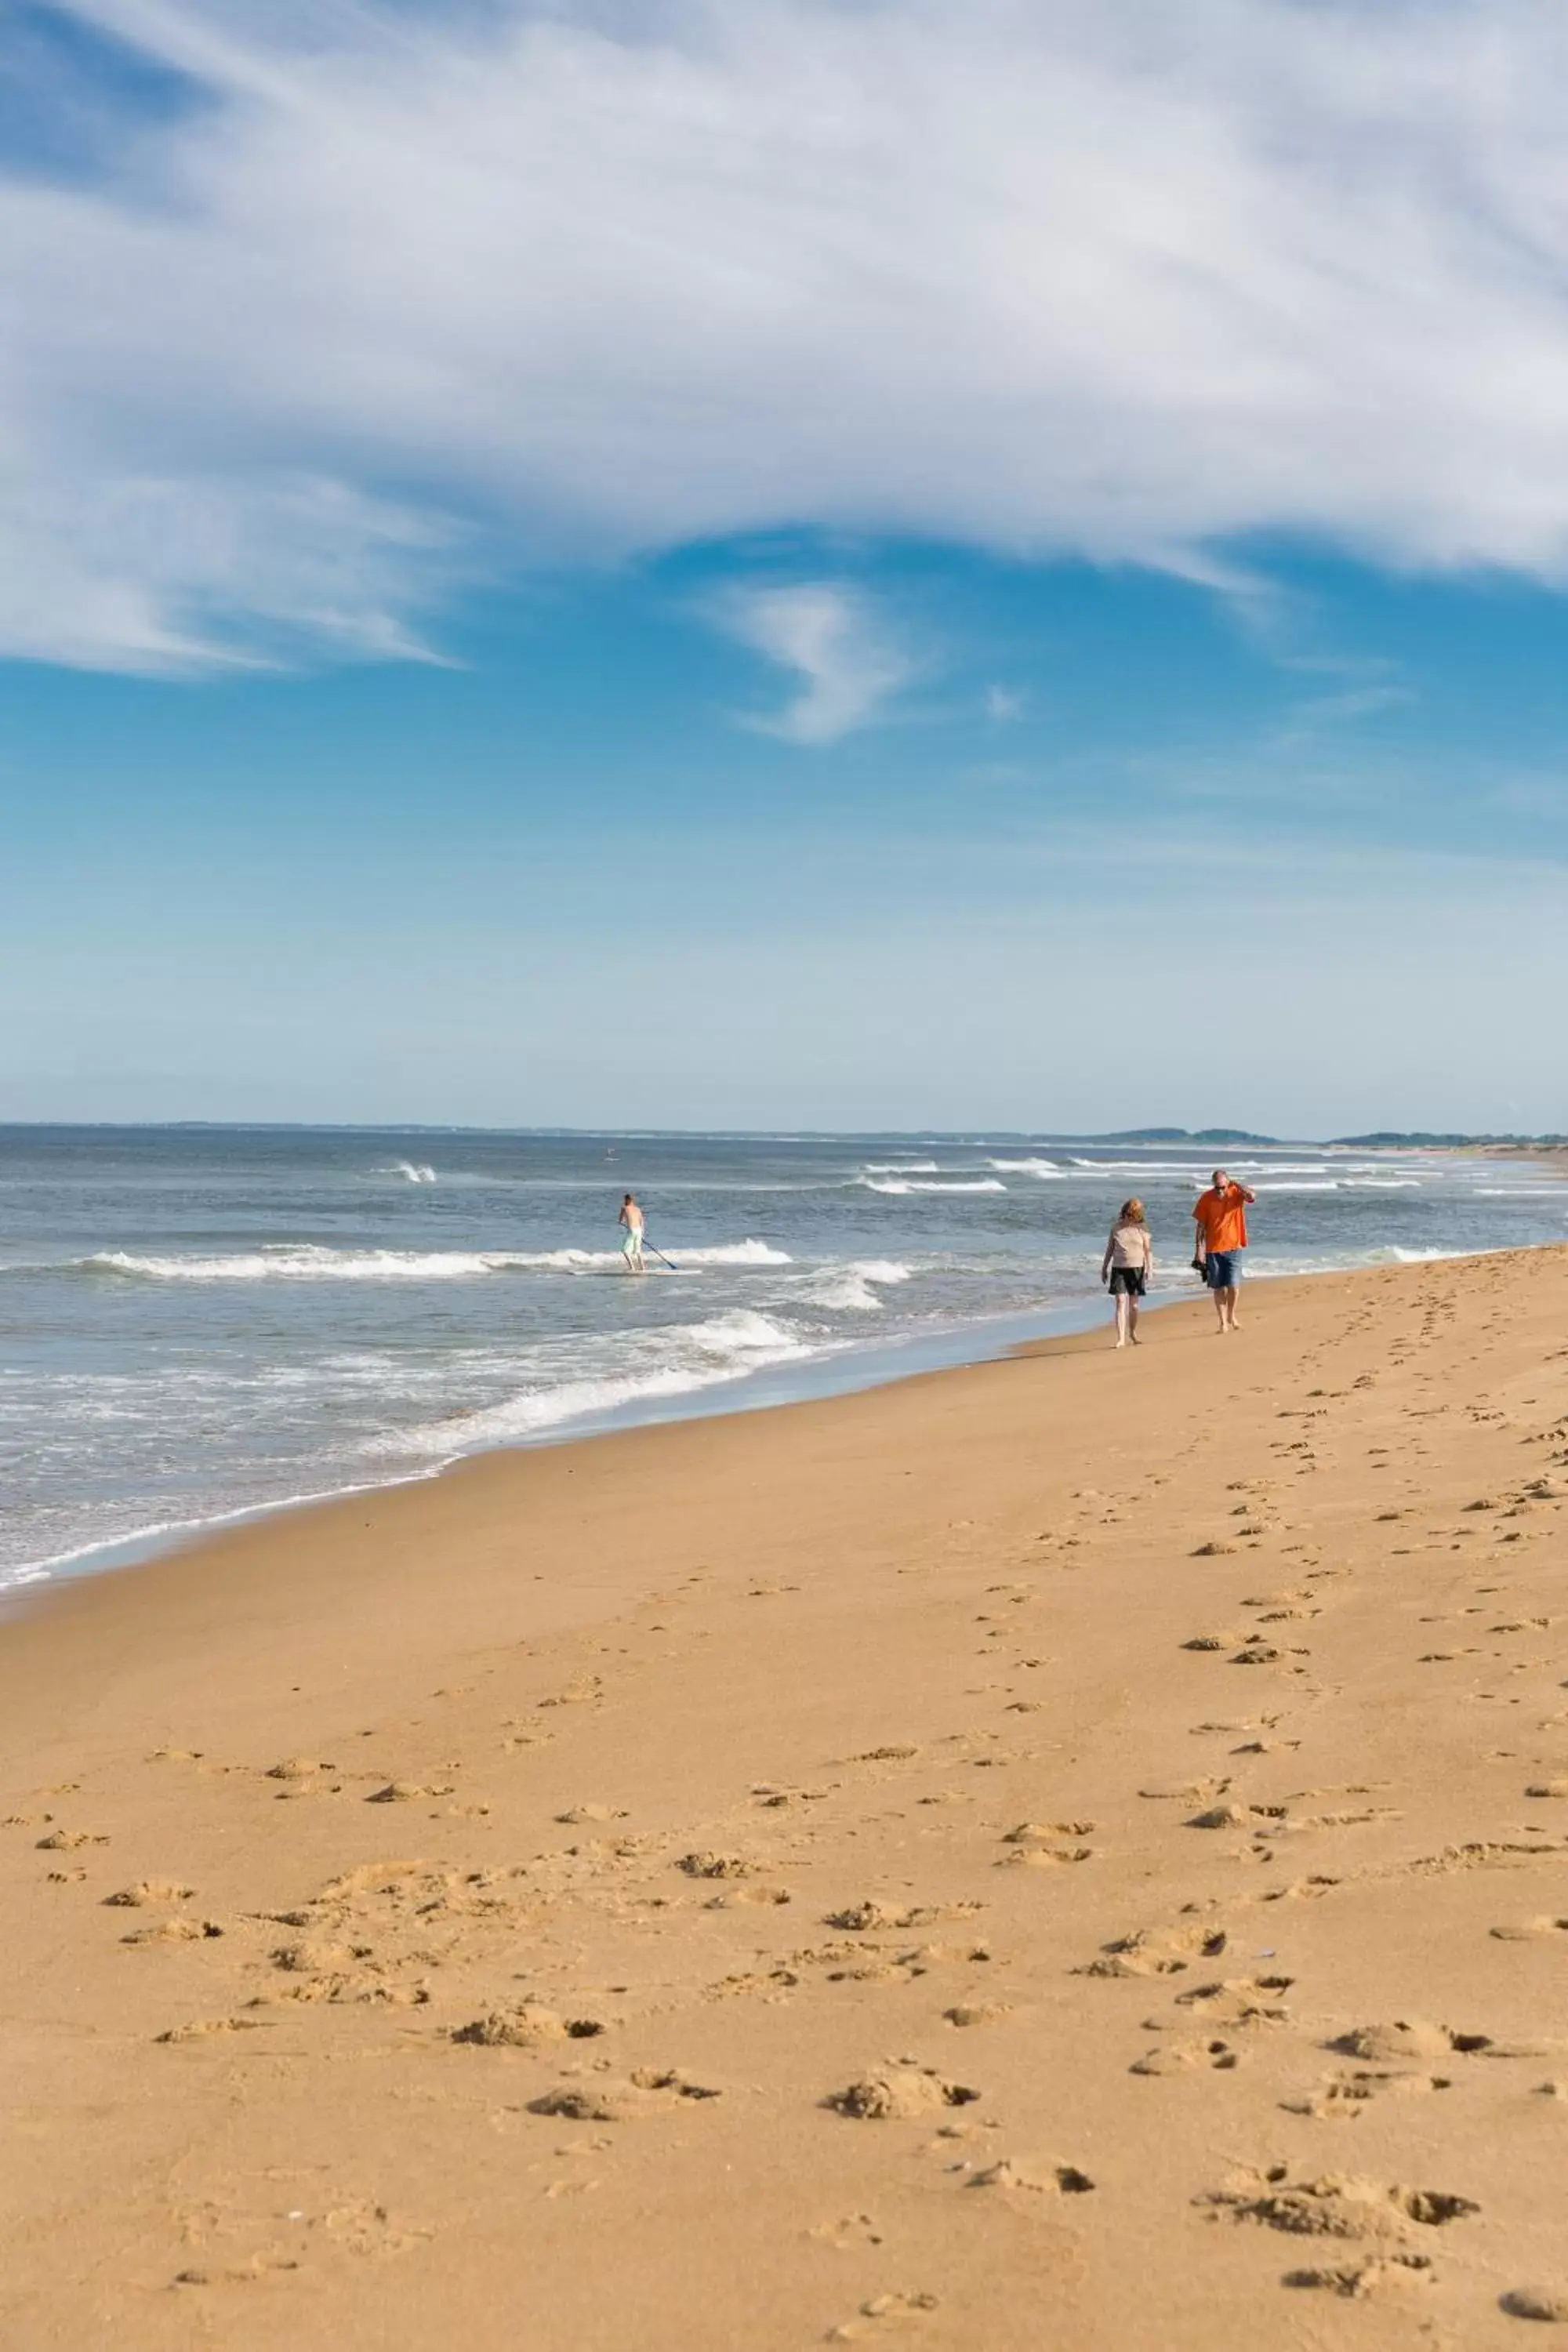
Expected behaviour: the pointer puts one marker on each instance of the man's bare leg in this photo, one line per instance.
(1219, 1298)
(1227, 1309)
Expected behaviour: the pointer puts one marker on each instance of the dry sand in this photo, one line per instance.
(1070, 1853)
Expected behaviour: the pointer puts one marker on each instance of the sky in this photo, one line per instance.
(790, 562)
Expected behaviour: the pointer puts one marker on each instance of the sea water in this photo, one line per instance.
(200, 1322)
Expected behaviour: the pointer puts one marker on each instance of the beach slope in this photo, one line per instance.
(1069, 1853)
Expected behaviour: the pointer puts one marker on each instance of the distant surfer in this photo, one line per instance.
(631, 1247)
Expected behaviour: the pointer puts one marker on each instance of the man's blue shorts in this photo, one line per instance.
(1222, 1269)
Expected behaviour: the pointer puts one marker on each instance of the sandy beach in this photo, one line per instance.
(1069, 1853)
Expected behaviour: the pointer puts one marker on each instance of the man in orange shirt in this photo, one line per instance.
(1220, 1216)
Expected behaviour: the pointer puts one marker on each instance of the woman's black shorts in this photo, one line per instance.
(1130, 1278)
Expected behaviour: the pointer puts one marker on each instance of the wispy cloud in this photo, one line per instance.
(1004, 704)
(1354, 702)
(836, 641)
(1133, 284)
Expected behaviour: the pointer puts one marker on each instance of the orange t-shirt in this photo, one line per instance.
(1223, 1217)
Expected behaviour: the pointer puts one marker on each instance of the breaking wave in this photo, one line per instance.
(692, 1356)
(851, 1288)
(958, 1184)
(314, 1262)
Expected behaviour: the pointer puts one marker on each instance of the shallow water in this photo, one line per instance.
(197, 1322)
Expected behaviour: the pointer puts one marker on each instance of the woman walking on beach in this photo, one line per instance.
(1128, 1263)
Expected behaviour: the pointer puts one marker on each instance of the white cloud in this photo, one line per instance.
(1131, 283)
(835, 642)
(1355, 702)
(1004, 704)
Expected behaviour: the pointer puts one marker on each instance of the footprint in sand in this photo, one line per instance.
(148, 1890)
(647, 2091)
(1409, 2038)
(852, 2230)
(1157, 1951)
(705, 1863)
(301, 1775)
(1361, 2279)
(526, 2025)
(897, 2093)
(240, 2273)
(1187, 1793)
(1240, 2001)
(1535, 2302)
(866, 1917)
(1262, 1820)
(1036, 1845)
(882, 2311)
(1032, 2176)
(175, 1931)
(1345, 2098)
(1333, 2205)
(201, 2029)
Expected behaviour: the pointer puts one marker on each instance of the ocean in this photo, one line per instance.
(197, 1323)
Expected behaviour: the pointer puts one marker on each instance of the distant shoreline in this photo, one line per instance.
(1152, 1138)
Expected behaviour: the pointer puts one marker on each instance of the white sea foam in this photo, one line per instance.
(692, 1356)
(960, 1184)
(128, 1542)
(413, 1171)
(314, 1262)
(1200, 1171)
(1044, 1169)
(850, 1287)
(902, 1168)
(1184, 1168)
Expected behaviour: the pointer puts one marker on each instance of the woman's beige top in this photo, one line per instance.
(1130, 1245)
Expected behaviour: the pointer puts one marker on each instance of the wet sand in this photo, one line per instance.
(1069, 1853)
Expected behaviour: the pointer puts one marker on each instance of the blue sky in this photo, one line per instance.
(816, 564)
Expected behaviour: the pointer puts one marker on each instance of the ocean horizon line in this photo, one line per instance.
(1386, 1139)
